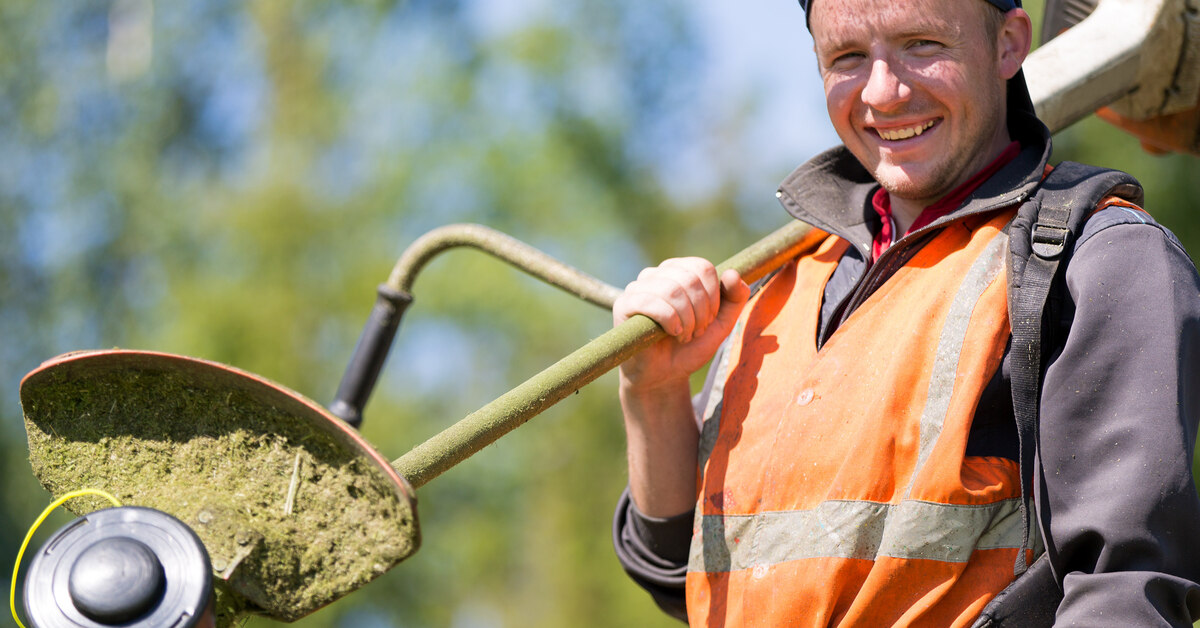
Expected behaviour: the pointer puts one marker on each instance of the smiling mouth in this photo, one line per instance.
(905, 133)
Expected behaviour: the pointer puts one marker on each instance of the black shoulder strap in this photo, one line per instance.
(1040, 237)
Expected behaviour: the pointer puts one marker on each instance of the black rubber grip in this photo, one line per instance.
(369, 355)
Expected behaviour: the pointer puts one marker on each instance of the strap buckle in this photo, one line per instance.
(1049, 241)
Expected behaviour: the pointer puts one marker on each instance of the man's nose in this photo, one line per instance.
(884, 90)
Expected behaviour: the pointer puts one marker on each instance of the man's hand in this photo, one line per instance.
(684, 296)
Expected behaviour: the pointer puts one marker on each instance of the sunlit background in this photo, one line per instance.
(230, 180)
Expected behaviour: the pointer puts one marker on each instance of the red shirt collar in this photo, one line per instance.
(882, 202)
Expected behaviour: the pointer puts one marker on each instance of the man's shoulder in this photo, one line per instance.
(1117, 214)
(1121, 245)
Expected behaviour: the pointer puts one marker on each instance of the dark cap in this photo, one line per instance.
(1003, 5)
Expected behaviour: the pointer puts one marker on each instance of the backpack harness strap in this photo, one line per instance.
(1040, 237)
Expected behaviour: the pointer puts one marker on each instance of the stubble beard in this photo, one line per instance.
(937, 177)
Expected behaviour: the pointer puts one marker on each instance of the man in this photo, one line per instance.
(853, 459)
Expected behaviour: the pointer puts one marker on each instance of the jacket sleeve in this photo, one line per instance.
(1119, 508)
(654, 553)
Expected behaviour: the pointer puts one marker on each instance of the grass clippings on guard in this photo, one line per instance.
(292, 518)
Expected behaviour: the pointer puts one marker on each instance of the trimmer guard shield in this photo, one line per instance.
(295, 508)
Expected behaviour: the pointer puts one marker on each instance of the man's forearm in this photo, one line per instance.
(662, 447)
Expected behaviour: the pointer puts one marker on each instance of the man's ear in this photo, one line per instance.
(1014, 41)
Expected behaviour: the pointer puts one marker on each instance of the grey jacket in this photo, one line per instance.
(1119, 409)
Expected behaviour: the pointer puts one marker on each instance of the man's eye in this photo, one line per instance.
(847, 59)
(924, 45)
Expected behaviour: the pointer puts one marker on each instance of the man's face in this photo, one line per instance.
(915, 88)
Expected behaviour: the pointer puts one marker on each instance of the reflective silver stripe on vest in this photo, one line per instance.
(858, 530)
(942, 376)
(710, 424)
(865, 530)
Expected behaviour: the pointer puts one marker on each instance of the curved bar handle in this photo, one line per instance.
(506, 248)
(395, 296)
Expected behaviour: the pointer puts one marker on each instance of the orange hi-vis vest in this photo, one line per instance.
(835, 489)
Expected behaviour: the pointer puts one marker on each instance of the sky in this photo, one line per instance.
(762, 46)
(761, 68)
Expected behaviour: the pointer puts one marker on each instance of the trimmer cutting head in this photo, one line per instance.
(293, 506)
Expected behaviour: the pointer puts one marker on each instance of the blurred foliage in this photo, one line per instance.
(231, 180)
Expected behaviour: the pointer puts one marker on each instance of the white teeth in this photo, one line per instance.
(903, 134)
